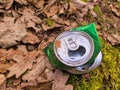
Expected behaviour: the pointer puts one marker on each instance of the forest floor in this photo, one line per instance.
(28, 26)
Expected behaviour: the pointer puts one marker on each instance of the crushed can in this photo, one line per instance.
(77, 51)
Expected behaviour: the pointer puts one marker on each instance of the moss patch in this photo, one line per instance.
(98, 11)
(85, 0)
(106, 76)
(49, 22)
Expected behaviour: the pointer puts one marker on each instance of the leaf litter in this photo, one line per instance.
(26, 28)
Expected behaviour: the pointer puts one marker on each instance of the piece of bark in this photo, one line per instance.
(2, 82)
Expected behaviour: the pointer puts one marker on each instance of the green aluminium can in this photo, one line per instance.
(77, 51)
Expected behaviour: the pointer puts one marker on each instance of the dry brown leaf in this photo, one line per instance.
(36, 71)
(17, 82)
(60, 80)
(115, 10)
(49, 65)
(23, 63)
(78, 3)
(9, 4)
(46, 27)
(45, 86)
(61, 21)
(31, 38)
(51, 10)
(37, 3)
(4, 67)
(11, 33)
(22, 2)
(44, 43)
(2, 82)
(15, 14)
(111, 39)
(8, 54)
(66, 87)
(22, 48)
(86, 76)
(11, 88)
(5, 56)
(45, 77)
(117, 37)
(30, 19)
(28, 84)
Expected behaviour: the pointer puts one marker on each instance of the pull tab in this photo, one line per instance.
(72, 44)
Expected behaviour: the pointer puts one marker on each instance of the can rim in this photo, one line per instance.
(81, 62)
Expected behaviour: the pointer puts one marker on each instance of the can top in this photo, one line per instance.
(73, 48)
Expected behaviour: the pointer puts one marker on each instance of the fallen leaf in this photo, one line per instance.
(51, 10)
(8, 54)
(78, 3)
(86, 76)
(61, 21)
(44, 43)
(115, 10)
(30, 19)
(23, 63)
(60, 80)
(45, 77)
(28, 84)
(31, 38)
(9, 4)
(22, 48)
(36, 71)
(4, 67)
(37, 3)
(11, 33)
(66, 87)
(13, 88)
(22, 2)
(46, 27)
(17, 81)
(2, 82)
(45, 86)
(116, 36)
(110, 38)
(5, 56)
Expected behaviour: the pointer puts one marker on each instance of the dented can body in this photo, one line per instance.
(74, 51)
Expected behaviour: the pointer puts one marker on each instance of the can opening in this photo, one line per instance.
(77, 53)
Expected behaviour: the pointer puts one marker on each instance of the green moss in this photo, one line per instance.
(98, 11)
(49, 22)
(84, 0)
(106, 76)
